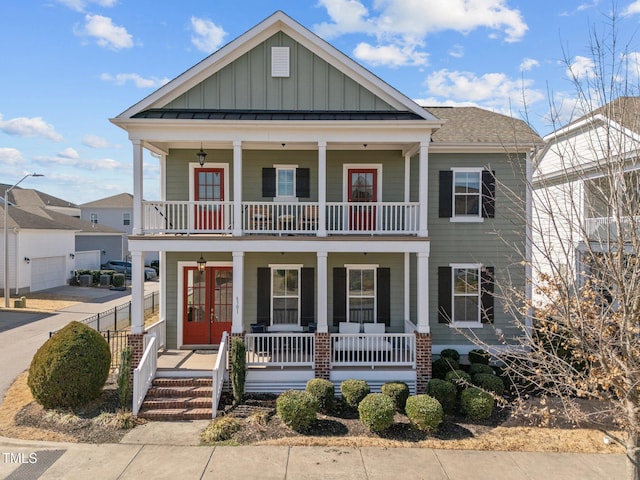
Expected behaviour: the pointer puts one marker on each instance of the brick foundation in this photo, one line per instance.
(135, 341)
(323, 355)
(423, 361)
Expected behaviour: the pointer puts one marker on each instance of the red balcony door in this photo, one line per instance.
(363, 190)
(209, 187)
(208, 305)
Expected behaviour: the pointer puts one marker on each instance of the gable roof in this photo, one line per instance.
(40, 218)
(121, 200)
(279, 21)
(27, 197)
(623, 111)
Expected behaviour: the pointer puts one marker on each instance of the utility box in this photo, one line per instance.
(85, 280)
(105, 280)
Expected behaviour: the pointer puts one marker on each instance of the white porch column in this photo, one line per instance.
(322, 325)
(238, 292)
(137, 187)
(423, 188)
(407, 284)
(423, 293)
(322, 189)
(407, 178)
(237, 189)
(137, 292)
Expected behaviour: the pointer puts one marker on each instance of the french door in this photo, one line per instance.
(363, 191)
(208, 304)
(209, 187)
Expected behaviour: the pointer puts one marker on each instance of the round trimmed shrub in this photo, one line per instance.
(398, 392)
(425, 412)
(353, 391)
(476, 404)
(450, 353)
(118, 280)
(480, 368)
(489, 382)
(70, 369)
(297, 409)
(443, 391)
(376, 411)
(479, 356)
(323, 391)
(459, 378)
(442, 366)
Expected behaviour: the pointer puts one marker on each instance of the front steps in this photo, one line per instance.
(172, 399)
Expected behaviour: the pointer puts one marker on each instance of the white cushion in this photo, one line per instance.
(374, 328)
(346, 327)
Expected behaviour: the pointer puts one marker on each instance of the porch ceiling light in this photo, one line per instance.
(202, 156)
(202, 264)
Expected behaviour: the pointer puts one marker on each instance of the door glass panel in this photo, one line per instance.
(196, 296)
(361, 186)
(223, 297)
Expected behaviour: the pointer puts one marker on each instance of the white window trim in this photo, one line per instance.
(91, 215)
(465, 218)
(375, 287)
(125, 214)
(192, 173)
(345, 178)
(286, 328)
(478, 324)
(286, 198)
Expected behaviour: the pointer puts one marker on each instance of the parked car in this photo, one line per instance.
(125, 267)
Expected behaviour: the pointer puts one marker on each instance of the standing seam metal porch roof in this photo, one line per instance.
(275, 115)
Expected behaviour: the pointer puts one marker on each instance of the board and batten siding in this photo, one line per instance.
(498, 242)
(247, 84)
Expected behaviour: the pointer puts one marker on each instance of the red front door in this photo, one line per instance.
(208, 304)
(209, 187)
(363, 190)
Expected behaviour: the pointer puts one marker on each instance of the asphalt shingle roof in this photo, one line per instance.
(122, 200)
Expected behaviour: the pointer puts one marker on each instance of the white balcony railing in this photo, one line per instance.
(608, 228)
(281, 217)
(280, 349)
(373, 349)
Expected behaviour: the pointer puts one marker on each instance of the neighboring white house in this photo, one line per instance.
(573, 212)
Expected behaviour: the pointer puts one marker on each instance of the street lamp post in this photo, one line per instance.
(6, 236)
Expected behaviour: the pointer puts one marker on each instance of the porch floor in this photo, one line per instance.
(197, 360)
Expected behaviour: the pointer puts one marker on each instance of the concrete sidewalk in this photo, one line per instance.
(48, 461)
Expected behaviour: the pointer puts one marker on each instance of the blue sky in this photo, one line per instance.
(70, 65)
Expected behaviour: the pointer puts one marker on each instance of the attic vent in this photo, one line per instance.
(279, 61)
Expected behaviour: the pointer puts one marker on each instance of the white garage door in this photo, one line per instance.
(47, 272)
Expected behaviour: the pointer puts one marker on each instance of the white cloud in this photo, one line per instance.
(80, 5)
(632, 9)
(94, 165)
(207, 36)
(137, 80)
(348, 16)
(456, 51)
(69, 153)
(528, 64)
(390, 55)
(582, 67)
(632, 61)
(106, 33)
(494, 90)
(10, 156)
(95, 141)
(29, 127)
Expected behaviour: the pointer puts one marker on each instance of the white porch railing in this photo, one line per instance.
(280, 349)
(607, 228)
(145, 372)
(187, 217)
(220, 372)
(366, 218)
(373, 349)
(158, 330)
(279, 217)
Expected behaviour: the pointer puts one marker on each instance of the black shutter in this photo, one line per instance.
(339, 295)
(268, 182)
(445, 206)
(383, 300)
(444, 294)
(487, 280)
(263, 312)
(302, 183)
(488, 194)
(307, 296)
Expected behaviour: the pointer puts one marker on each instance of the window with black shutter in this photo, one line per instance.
(467, 195)
(465, 294)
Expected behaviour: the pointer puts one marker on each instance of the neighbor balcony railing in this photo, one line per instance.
(281, 217)
(608, 228)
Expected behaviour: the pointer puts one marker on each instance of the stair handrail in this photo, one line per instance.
(218, 374)
(144, 373)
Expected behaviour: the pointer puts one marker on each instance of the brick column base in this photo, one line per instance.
(423, 361)
(323, 355)
(135, 341)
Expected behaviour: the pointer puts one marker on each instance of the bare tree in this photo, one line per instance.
(580, 334)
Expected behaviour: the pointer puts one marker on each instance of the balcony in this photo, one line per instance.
(606, 229)
(278, 218)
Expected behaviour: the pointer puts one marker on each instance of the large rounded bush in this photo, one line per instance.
(376, 411)
(480, 368)
(323, 391)
(70, 369)
(297, 409)
(489, 382)
(479, 356)
(442, 366)
(398, 392)
(425, 412)
(476, 404)
(450, 353)
(353, 391)
(459, 378)
(443, 391)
